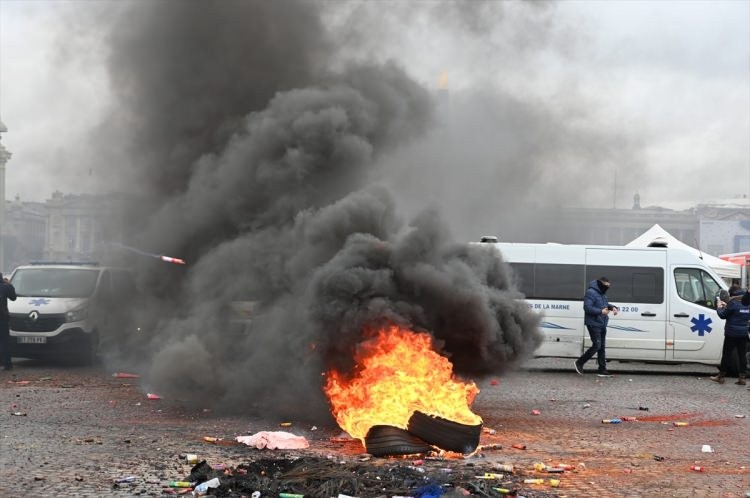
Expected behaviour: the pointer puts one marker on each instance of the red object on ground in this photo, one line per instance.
(697, 468)
(123, 375)
(535, 412)
(519, 446)
(153, 396)
(494, 382)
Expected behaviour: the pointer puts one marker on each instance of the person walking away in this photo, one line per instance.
(737, 316)
(596, 309)
(7, 291)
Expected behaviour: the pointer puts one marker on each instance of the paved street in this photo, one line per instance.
(71, 431)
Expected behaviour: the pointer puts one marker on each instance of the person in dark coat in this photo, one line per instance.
(596, 309)
(7, 291)
(736, 312)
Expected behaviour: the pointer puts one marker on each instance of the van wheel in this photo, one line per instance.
(444, 433)
(89, 349)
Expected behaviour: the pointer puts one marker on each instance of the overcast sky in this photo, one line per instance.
(671, 78)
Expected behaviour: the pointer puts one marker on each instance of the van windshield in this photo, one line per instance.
(54, 282)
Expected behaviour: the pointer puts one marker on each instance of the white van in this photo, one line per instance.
(666, 296)
(62, 309)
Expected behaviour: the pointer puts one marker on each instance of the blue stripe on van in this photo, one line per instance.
(550, 325)
(626, 329)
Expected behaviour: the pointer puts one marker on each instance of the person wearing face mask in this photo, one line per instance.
(596, 309)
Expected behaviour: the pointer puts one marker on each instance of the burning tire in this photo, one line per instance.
(387, 440)
(444, 433)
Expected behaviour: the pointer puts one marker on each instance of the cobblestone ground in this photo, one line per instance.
(70, 431)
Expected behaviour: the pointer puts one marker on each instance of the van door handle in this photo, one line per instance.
(681, 315)
(646, 313)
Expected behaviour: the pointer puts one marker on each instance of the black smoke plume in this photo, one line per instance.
(256, 157)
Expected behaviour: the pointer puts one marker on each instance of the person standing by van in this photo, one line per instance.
(596, 309)
(737, 315)
(7, 291)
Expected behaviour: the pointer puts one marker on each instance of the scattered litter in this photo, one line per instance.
(180, 484)
(204, 487)
(739, 416)
(256, 494)
(290, 495)
(611, 421)
(555, 483)
(504, 491)
(504, 468)
(587, 405)
(210, 439)
(489, 431)
(285, 424)
(489, 447)
(219, 466)
(494, 382)
(274, 440)
(697, 468)
(123, 480)
(707, 449)
(643, 408)
(314, 428)
(658, 458)
(124, 375)
(533, 481)
(42, 379)
(680, 424)
(628, 419)
(519, 446)
(535, 412)
(191, 458)
(490, 475)
(19, 414)
(152, 396)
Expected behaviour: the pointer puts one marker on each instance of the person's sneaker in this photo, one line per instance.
(604, 373)
(579, 369)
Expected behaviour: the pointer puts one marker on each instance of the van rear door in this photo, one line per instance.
(638, 279)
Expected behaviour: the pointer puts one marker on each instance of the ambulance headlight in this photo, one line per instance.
(76, 315)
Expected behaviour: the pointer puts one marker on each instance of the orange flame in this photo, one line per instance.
(397, 373)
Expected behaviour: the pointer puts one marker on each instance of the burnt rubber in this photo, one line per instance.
(387, 440)
(444, 433)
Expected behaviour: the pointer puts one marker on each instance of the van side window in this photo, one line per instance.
(631, 284)
(696, 286)
(549, 281)
(105, 286)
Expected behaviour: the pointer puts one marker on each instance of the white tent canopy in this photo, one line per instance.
(657, 234)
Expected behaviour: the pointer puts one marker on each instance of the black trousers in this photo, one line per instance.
(5, 342)
(738, 346)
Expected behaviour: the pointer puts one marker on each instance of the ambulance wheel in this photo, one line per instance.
(89, 349)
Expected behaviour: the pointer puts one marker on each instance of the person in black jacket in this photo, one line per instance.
(737, 315)
(596, 310)
(7, 291)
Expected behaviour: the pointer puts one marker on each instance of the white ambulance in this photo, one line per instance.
(64, 309)
(667, 299)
